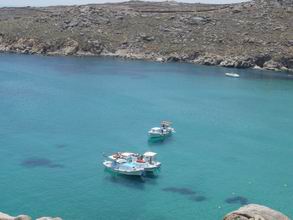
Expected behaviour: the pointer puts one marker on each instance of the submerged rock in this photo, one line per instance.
(183, 191)
(237, 199)
(39, 162)
(255, 212)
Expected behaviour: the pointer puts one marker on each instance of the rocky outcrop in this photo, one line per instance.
(248, 212)
(49, 218)
(255, 212)
(4, 216)
(256, 34)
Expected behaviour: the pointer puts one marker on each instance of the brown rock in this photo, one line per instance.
(255, 212)
(4, 216)
(272, 65)
(70, 47)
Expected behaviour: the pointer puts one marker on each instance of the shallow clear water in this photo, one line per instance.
(58, 115)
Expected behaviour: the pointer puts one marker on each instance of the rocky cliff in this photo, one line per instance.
(251, 34)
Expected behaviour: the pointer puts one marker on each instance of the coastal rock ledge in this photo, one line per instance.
(248, 212)
(4, 216)
(255, 212)
(255, 34)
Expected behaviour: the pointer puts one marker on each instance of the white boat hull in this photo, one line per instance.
(149, 167)
(235, 75)
(160, 135)
(119, 169)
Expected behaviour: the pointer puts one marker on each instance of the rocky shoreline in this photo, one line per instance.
(4, 216)
(256, 34)
(247, 212)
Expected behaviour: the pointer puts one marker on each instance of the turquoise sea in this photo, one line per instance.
(59, 115)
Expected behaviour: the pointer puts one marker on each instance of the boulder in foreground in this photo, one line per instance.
(255, 212)
(4, 216)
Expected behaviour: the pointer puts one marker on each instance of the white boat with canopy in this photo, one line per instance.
(121, 166)
(132, 163)
(163, 131)
(148, 161)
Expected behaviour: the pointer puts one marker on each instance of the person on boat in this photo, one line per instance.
(150, 161)
(140, 159)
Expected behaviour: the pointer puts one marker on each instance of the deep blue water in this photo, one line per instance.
(58, 115)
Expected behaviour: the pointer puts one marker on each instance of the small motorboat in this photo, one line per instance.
(129, 163)
(236, 75)
(163, 131)
(123, 167)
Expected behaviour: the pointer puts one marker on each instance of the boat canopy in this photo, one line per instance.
(166, 123)
(126, 154)
(149, 154)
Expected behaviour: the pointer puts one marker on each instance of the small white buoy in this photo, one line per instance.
(285, 185)
(219, 207)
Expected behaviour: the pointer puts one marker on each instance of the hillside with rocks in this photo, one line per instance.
(252, 34)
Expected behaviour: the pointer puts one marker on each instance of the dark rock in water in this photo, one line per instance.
(40, 162)
(237, 200)
(56, 166)
(182, 191)
(61, 145)
(198, 198)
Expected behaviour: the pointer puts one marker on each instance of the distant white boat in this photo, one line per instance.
(163, 131)
(236, 75)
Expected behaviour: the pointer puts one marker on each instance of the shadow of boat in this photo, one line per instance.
(134, 182)
(159, 140)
